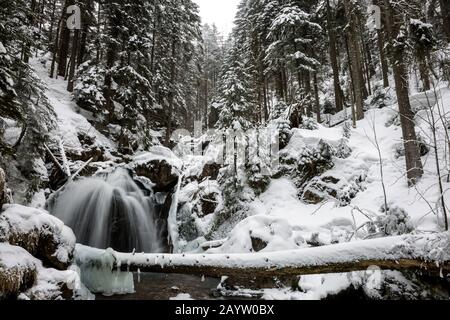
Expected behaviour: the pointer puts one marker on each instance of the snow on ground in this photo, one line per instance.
(70, 121)
(281, 200)
(182, 296)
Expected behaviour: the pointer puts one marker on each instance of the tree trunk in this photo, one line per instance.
(384, 63)
(355, 61)
(87, 5)
(341, 258)
(352, 86)
(424, 73)
(445, 9)
(99, 27)
(3, 195)
(154, 36)
(64, 41)
(171, 97)
(309, 93)
(338, 93)
(52, 26)
(55, 49)
(26, 50)
(366, 62)
(73, 59)
(414, 167)
(316, 98)
(111, 57)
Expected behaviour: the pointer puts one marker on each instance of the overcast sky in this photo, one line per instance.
(220, 12)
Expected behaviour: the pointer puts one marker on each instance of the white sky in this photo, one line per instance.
(220, 12)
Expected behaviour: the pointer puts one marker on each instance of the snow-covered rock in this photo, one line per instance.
(53, 284)
(41, 234)
(160, 165)
(23, 277)
(18, 270)
(261, 234)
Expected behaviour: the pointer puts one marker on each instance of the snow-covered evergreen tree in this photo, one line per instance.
(235, 97)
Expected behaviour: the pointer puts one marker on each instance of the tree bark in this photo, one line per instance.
(355, 61)
(414, 167)
(445, 10)
(3, 196)
(384, 62)
(316, 98)
(338, 93)
(26, 50)
(52, 26)
(73, 60)
(171, 97)
(424, 73)
(111, 57)
(64, 41)
(55, 50)
(385, 253)
(87, 6)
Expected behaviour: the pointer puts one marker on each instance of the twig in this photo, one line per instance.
(81, 169)
(54, 160)
(64, 158)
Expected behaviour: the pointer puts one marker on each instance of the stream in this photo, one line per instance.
(165, 286)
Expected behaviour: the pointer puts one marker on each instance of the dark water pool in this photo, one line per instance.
(165, 286)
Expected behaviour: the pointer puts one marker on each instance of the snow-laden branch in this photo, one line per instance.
(428, 252)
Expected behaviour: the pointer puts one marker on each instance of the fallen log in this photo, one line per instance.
(428, 253)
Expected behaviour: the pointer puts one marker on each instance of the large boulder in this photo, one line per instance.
(18, 271)
(304, 159)
(210, 170)
(160, 166)
(23, 277)
(42, 235)
(326, 188)
(261, 233)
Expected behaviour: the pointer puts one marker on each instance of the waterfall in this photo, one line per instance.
(110, 212)
(172, 219)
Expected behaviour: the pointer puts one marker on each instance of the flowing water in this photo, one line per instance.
(110, 212)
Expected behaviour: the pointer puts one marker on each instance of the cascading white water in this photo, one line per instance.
(110, 212)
